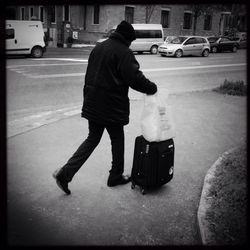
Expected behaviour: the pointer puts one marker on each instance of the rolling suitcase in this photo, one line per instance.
(153, 163)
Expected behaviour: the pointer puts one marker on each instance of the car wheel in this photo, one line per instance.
(37, 52)
(234, 49)
(205, 53)
(178, 53)
(214, 50)
(154, 50)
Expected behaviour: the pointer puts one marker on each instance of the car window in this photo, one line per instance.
(223, 39)
(234, 38)
(200, 40)
(9, 34)
(212, 39)
(191, 41)
(148, 34)
(178, 40)
(169, 39)
(203, 40)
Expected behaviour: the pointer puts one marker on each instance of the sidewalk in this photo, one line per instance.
(207, 125)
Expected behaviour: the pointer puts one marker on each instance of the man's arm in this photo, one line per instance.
(131, 74)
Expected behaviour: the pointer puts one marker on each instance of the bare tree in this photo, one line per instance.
(149, 11)
(235, 22)
(203, 9)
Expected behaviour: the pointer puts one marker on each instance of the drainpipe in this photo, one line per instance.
(84, 18)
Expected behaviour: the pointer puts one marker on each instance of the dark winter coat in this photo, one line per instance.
(112, 69)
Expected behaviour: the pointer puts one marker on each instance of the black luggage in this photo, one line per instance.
(153, 163)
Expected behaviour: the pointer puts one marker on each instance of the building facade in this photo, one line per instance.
(64, 24)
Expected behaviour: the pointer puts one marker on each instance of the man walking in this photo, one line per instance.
(112, 69)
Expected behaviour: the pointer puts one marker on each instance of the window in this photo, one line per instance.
(129, 14)
(53, 14)
(207, 22)
(212, 39)
(200, 40)
(148, 33)
(9, 34)
(165, 18)
(223, 39)
(31, 12)
(242, 24)
(191, 41)
(10, 13)
(227, 21)
(66, 13)
(178, 40)
(22, 13)
(187, 20)
(96, 14)
(41, 13)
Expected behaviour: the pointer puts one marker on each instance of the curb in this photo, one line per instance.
(205, 201)
(82, 45)
(34, 121)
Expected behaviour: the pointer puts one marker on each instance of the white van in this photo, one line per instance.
(24, 38)
(148, 37)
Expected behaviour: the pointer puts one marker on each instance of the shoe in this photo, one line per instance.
(118, 180)
(61, 183)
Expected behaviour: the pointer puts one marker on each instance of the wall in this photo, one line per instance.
(111, 15)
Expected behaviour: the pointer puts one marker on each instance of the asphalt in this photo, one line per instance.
(207, 124)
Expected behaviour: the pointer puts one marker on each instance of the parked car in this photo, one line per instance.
(219, 44)
(241, 42)
(168, 39)
(185, 45)
(148, 37)
(24, 38)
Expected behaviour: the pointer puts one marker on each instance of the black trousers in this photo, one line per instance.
(96, 130)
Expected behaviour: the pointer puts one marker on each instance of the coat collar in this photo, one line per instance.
(118, 36)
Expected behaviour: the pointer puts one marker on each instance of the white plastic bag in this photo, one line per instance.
(156, 119)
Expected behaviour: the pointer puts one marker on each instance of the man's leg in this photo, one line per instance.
(84, 150)
(116, 134)
(66, 173)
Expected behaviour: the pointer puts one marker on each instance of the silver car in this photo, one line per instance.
(184, 46)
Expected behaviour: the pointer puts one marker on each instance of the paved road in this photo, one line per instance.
(56, 80)
(51, 87)
(207, 124)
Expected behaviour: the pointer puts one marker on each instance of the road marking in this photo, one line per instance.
(61, 59)
(49, 107)
(29, 122)
(195, 67)
(43, 64)
(187, 59)
(196, 63)
(53, 75)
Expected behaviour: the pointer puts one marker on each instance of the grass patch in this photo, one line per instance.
(232, 88)
(228, 214)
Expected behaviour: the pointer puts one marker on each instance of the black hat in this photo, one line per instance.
(126, 30)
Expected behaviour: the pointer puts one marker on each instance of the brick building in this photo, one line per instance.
(88, 23)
